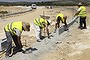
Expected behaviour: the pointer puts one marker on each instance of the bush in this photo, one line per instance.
(3, 12)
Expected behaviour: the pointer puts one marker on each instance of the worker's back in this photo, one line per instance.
(61, 17)
(40, 21)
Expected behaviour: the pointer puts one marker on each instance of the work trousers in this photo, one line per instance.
(17, 42)
(82, 22)
(37, 32)
(57, 25)
(9, 43)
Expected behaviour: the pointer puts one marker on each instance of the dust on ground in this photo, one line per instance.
(76, 46)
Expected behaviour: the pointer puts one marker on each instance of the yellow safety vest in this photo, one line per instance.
(14, 25)
(61, 15)
(82, 12)
(39, 21)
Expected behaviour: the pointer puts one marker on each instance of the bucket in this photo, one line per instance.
(0, 46)
(3, 44)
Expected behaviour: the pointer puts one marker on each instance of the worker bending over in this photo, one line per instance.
(62, 18)
(13, 32)
(39, 24)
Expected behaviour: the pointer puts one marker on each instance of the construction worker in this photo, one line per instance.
(39, 24)
(62, 18)
(81, 12)
(13, 32)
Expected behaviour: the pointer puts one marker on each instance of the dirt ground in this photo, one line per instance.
(76, 46)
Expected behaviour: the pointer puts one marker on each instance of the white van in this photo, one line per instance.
(33, 6)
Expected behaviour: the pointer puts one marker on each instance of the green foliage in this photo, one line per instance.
(47, 3)
(3, 12)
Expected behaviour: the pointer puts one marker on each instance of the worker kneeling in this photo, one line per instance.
(13, 32)
(62, 18)
(39, 24)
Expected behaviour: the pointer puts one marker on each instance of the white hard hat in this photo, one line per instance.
(79, 4)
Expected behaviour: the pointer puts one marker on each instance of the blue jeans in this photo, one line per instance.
(82, 22)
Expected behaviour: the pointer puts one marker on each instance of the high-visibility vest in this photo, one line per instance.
(61, 15)
(39, 21)
(14, 25)
(82, 12)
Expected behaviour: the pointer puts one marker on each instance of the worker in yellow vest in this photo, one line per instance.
(81, 12)
(13, 32)
(39, 24)
(62, 18)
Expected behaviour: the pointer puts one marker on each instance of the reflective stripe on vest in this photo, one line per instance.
(15, 25)
(61, 15)
(39, 21)
(82, 12)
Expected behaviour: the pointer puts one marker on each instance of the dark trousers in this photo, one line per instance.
(57, 25)
(9, 43)
(17, 42)
(82, 22)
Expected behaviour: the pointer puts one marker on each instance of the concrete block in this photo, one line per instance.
(72, 21)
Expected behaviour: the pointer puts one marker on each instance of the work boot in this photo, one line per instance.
(65, 28)
(84, 27)
(8, 55)
(15, 50)
(80, 27)
(39, 40)
(42, 37)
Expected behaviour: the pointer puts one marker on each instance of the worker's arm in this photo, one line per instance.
(18, 34)
(65, 17)
(78, 11)
(47, 30)
(19, 42)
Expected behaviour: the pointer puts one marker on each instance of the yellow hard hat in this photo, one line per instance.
(26, 26)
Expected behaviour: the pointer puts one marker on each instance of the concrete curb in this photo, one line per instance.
(44, 46)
